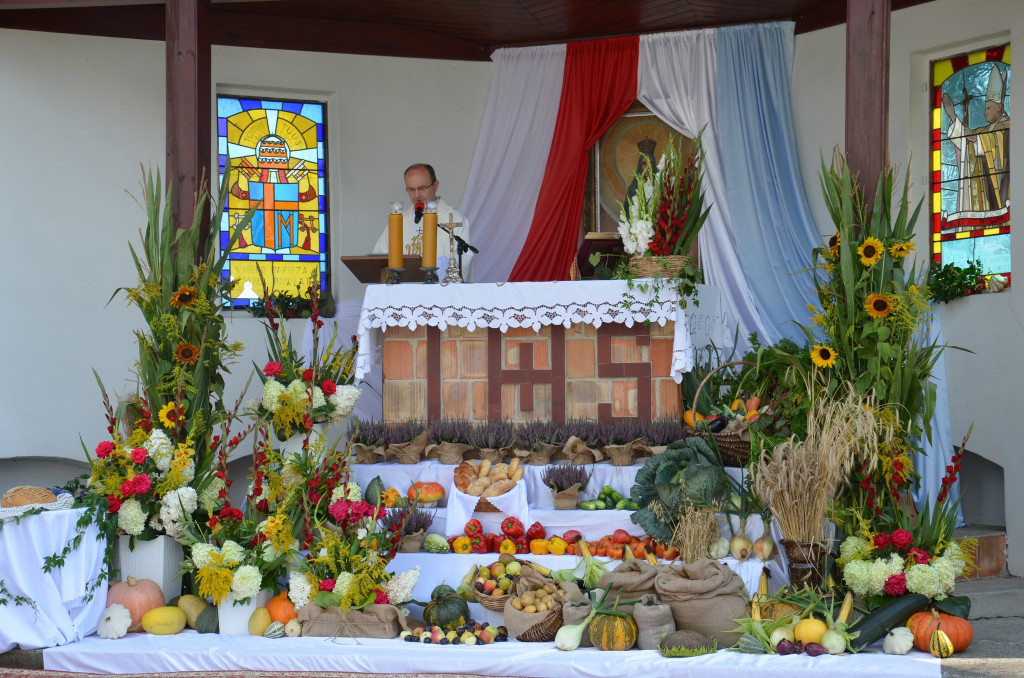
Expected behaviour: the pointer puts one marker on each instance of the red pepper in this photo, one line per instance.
(451, 542)
(513, 527)
(536, 531)
(522, 544)
(474, 528)
(480, 546)
(493, 542)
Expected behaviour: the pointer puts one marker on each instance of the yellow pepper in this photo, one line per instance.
(540, 547)
(462, 545)
(507, 546)
(557, 546)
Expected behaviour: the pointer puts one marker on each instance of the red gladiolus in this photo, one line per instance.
(272, 369)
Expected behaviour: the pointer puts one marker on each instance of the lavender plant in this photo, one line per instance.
(592, 432)
(663, 431)
(409, 520)
(403, 431)
(450, 431)
(626, 431)
(371, 433)
(532, 435)
(563, 476)
(492, 435)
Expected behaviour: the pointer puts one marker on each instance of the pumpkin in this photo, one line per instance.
(259, 620)
(293, 629)
(898, 641)
(441, 589)
(613, 632)
(428, 493)
(449, 611)
(281, 609)
(958, 630)
(275, 630)
(208, 620)
(114, 623)
(164, 621)
(138, 596)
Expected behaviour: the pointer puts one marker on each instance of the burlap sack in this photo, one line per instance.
(577, 452)
(705, 596)
(658, 449)
(541, 457)
(623, 455)
(568, 499)
(449, 453)
(367, 454)
(654, 621)
(411, 543)
(631, 580)
(574, 612)
(523, 625)
(496, 456)
(410, 452)
(373, 621)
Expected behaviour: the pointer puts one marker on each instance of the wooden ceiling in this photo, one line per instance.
(441, 29)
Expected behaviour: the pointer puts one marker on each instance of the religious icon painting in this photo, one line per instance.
(970, 150)
(274, 152)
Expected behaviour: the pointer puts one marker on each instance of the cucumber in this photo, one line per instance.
(598, 504)
(622, 504)
(587, 505)
(894, 613)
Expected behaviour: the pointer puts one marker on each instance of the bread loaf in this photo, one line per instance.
(26, 494)
(500, 487)
(465, 473)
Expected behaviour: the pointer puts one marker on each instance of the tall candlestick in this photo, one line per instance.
(430, 236)
(395, 253)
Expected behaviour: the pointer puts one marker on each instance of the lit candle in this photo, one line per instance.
(430, 236)
(395, 258)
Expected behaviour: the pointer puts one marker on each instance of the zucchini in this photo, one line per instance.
(894, 613)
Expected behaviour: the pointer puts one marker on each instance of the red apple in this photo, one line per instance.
(621, 537)
(571, 536)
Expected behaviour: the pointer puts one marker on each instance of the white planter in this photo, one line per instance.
(294, 444)
(158, 559)
(234, 619)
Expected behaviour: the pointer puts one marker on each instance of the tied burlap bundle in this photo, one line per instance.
(373, 621)
(568, 499)
(625, 455)
(537, 626)
(657, 449)
(411, 543)
(654, 621)
(574, 612)
(705, 596)
(410, 452)
(541, 457)
(367, 454)
(631, 580)
(449, 453)
(495, 456)
(577, 452)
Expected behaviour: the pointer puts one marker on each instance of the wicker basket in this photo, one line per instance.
(735, 450)
(492, 603)
(658, 267)
(543, 631)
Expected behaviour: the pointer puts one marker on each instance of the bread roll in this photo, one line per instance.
(478, 486)
(485, 468)
(500, 487)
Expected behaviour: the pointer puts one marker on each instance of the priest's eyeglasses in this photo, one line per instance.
(418, 188)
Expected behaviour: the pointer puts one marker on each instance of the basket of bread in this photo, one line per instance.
(484, 479)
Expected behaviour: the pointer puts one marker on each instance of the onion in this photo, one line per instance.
(740, 547)
(719, 548)
(833, 641)
(785, 647)
(764, 548)
(782, 633)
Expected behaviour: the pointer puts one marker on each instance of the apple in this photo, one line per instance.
(486, 637)
(436, 635)
(621, 537)
(513, 568)
(418, 631)
(490, 585)
(468, 639)
(504, 583)
(497, 569)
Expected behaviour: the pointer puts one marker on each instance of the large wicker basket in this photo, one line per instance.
(543, 631)
(735, 450)
(658, 267)
(492, 603)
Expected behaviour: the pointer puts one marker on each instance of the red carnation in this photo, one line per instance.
(896, 585)
(382, 598)
(327, 584)
(142, 483)
(139, 455)
(328, 387)
(307, 375)
(902, 539)
(272, 369)
(104, 449)
(127, 489)
(114, 504)
(881, 540)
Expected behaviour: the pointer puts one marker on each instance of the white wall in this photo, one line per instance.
(79, 114)
(983, 384)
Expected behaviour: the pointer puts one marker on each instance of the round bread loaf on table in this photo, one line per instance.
(27, 494)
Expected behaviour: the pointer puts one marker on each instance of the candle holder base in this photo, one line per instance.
(394, 276)
(429, 275)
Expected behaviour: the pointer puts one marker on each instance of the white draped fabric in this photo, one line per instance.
(676, 81)
(508, 165)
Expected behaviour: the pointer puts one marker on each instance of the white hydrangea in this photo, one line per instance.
(232, 552)
(344, 401)
(947, 571)
(349, 491)
(188, 473)
(854, 548)
(318, 398)
(155, 523)
(924, 579)
(210, 498)
(855, 574)
(160, 449)
(246, 582)
(399, 588)
(300, 591)
(202, 555)
(342, 582)
(130, 517)
(272, 392)
(297, 389)
(172, 514)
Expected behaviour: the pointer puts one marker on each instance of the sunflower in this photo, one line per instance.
(823, 356)
(833, 245)
(870, 251)
(901, 249)
(878, 305)
(171, 414)
(186, 353)
(185, 296)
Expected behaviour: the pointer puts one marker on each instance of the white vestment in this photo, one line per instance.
(413, 232)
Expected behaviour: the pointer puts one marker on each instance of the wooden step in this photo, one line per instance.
(990, 558)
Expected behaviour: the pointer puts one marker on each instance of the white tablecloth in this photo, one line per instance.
(60, 614)
(525, 304)
(190, 651)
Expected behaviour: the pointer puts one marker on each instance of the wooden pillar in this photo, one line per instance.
(867, 90)
(188, 107)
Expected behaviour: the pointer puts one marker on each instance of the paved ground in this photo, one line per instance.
(997, 612)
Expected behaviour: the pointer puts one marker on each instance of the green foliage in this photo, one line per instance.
(949, 282)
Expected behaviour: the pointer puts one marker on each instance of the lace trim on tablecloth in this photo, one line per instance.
(64, 501)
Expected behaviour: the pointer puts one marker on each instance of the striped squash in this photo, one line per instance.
(613, 632)
(940, 645)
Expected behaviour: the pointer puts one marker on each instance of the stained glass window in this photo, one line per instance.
(971, 160)
(275, 152)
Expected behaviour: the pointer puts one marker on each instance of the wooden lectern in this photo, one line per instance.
(373, 268)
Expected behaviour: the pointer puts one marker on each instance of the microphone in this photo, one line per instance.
(419, 211)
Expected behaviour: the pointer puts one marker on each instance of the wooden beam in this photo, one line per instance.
(867, 90)
(188, 107)
(72, 4)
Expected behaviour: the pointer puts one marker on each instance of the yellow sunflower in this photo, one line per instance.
(878, 305)
(186, 353)
(823, 356)
(170, 414)
(833, 245)
(870, 251)
(185, 296)
(901, 249)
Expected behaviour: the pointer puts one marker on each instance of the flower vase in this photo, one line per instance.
(567, 499)
(234, 619)
(293, 445)
(804, 559)
(157, 559)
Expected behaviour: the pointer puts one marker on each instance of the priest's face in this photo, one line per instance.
(418, 185)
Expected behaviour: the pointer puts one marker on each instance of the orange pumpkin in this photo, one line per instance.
(281, 609)
(139, 596)
(426, 492)
(922, 624)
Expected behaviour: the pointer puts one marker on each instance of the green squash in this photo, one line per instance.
(449, 611)
(612, 632)
(275, 630)
(374, 491)
(441, 589)
(207, 621)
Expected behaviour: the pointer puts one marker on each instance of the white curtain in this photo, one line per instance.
(677, 83)
(508, 165)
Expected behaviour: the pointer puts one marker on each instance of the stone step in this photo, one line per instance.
(990, 557)
(1001, 596)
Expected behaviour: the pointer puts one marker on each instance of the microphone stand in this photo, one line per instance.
(462, 248)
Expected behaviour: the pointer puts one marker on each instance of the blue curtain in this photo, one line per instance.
(772, 225)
